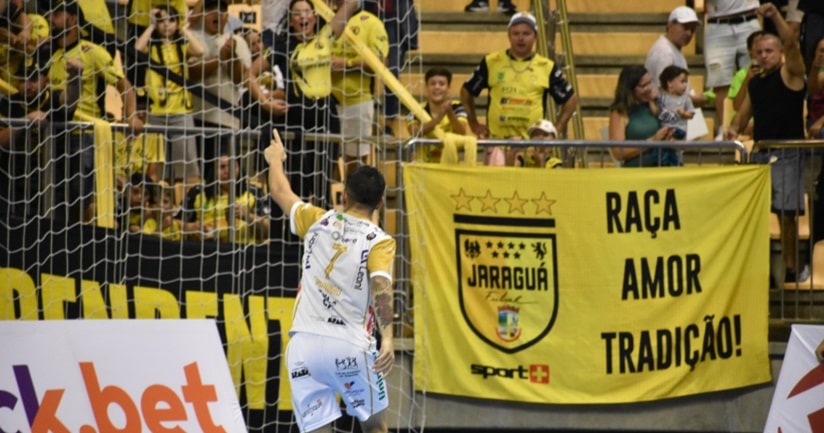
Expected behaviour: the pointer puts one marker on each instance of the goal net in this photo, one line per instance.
(133, 184)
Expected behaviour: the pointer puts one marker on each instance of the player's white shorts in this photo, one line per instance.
(320, 367)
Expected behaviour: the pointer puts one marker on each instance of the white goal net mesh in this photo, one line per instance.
(133, 184)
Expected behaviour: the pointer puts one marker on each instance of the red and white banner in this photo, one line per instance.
(90, 376)
(798, 402)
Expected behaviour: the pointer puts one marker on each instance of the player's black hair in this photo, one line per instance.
(365, 186)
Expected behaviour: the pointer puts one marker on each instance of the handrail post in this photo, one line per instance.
(547, 48)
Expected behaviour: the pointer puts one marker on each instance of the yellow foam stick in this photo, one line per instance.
(7, 88)
(377, 65)
(103, 170)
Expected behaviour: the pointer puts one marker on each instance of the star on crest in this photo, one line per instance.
(489, 202)
(462, 200)
(543, 204)
(516, 203)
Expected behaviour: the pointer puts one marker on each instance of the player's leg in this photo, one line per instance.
(313, 401)
(375, 423)
(363, 391)
(325, 429)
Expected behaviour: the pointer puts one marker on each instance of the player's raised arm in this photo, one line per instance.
(279, 187)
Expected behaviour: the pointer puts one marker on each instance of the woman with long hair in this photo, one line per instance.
(633, 115)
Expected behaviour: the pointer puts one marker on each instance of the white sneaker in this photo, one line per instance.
(506, 7)
(720, 135)
(477, 6)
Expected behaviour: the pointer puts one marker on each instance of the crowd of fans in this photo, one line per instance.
(200, 74)
(205, 78)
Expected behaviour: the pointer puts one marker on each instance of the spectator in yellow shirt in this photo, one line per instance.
(353, 80)
(448, 115)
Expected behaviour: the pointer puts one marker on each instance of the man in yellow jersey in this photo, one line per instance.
(352, 82)
(518, 80)
(344, 303)
(99, 71)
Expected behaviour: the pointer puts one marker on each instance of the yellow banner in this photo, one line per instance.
(589, 286)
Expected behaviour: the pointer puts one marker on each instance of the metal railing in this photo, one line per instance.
(802, 299)
(712, 148)
(802, 302)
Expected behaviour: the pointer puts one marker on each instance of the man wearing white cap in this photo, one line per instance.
(666, 51)
(518, 79)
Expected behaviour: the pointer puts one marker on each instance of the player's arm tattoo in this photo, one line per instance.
(382, 301)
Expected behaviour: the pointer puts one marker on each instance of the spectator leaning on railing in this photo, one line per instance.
(518, 80)
(633, 115)
(447, 114)
(776, 101)
(305, 57)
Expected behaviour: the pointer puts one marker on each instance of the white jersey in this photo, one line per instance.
(342, 253)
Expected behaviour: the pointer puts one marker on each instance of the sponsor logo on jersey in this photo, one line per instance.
(381, 387)
(335, 321)
(346, 363)
(351, 390)
(299, 372)
(312, 407)
(360, 278)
